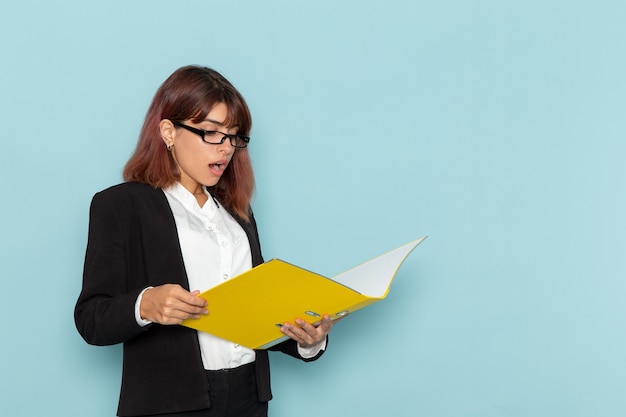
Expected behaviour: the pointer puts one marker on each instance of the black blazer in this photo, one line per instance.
(132, 244)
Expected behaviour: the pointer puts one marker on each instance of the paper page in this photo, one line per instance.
(374, 277)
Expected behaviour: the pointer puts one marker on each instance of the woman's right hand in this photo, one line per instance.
(171, 304)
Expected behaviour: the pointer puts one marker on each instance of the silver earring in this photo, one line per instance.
(169, 147)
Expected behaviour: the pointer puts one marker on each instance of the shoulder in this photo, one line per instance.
(129, 204)
(131, 194)
(129, 191)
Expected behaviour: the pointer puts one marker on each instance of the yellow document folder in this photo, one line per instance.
(249, 308)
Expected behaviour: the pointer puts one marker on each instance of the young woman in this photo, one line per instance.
(181, 223)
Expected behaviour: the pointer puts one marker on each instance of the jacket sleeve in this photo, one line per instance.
(290, 347)
(105, 310)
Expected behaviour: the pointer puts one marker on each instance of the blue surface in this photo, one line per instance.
(495, 127)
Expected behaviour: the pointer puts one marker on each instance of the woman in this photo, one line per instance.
(181, 223)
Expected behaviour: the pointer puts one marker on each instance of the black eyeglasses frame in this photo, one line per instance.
(202, 132)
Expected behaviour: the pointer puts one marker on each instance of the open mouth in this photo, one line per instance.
(217, 167)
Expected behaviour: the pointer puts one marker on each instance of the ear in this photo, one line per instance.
(168, 132)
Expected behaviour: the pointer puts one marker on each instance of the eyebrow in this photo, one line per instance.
(221, 124)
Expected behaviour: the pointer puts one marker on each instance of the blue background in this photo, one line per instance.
(495, 127)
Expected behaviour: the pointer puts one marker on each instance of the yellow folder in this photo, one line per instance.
(249, 308)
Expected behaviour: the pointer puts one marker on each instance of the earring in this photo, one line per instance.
(169, 147)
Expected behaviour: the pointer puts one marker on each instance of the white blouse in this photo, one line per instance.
(215, 248)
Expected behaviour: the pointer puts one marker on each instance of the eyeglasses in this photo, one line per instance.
(213, 136)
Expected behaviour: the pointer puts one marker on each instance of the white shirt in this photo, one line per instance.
(215, 248)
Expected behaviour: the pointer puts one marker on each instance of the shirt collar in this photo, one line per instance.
(189, 202)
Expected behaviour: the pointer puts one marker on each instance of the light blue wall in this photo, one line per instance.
(495, 127)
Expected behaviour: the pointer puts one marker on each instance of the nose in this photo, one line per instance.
(226, 147)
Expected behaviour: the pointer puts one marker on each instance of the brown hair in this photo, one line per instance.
(189, 94)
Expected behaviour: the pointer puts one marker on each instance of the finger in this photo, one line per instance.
(323, 327)
(308, 334)
(194, 300)
(190, 312)
(170, 304)
(190, 309)
(176, 314)
(326, 324)
(187, 297)
(186, 302)
(294, 332)
(180, 299)
(306, 327)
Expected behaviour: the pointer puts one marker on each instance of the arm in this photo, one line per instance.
(104, 312)
(115, 274)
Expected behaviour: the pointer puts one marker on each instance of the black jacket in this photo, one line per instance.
(132, 244)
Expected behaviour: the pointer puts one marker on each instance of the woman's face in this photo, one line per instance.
(200, 163)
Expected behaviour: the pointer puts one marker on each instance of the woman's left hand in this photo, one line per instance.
(306, 334)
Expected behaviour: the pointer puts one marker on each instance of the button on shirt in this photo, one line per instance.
(215, 248)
